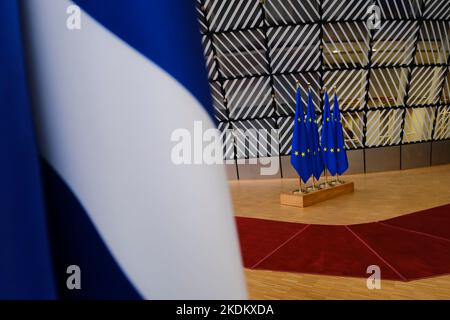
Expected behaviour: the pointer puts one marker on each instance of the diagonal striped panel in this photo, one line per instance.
(387, 87)
(241, 53)
(445, 97)
(383, 127)
(442, 126)
(285, 88)
(220, 111)
(225, 15)
(350, 87)
(282, 12)
(353, 125)
(211, 65)
(396, 9)
(393, 43)
(425, 87)
(228, 141)
(334, 10)
(433, 46)
(201, 16)
(345, 44)
(437, 9)
(418, 124)
(256, 138)
(285, 125)
(249, 98)
(294, 48)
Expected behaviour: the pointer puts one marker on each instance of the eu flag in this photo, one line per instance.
(299, 153)
(316, 161)
(341, 154)
(328, 139)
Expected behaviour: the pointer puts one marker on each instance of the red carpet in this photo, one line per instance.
(409, 247)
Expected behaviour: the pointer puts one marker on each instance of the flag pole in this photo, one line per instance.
(337, 175)
(325, 168)
(313, 183)
(299, 178)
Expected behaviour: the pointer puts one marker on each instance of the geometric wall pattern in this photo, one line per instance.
(393, 82)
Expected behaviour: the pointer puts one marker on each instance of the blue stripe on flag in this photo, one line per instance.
(25, 264)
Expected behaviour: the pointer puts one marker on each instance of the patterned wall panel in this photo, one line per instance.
(418, 124)
(387, 87)
(433, 46)
(394, 42)
(282, 12)
(338, 10)
(426, 85)
(285, 90)
(350, 87)
(442, 126)
(345, 45)
(294, 49)
(256, 138)
(392, 76)
(383, 127)
(249, 97)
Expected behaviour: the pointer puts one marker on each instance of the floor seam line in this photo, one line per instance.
(280, 246)
(413, 231)
(376, 253)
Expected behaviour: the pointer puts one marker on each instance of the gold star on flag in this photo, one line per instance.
(303, 154)
(325, 149)
(296, 153)
(338, 149)
(307, 150)
(331, 150)
(328, 119)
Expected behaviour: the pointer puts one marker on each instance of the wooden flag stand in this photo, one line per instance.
(303, 199)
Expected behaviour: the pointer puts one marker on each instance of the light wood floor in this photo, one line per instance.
(377, 196)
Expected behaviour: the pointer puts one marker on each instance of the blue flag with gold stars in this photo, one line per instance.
(299, 153)
(328, 139)
(316, 162)
(341, 154)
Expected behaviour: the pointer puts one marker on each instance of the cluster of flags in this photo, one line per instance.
(308, 156)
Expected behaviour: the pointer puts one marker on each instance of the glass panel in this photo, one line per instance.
(418, 124)
(345, 44)
(383, 127)
(387, 87)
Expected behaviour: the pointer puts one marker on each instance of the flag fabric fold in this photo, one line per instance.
(316, 161)
(300, 157)
(341, 153)
(328, 143)
(25, 262)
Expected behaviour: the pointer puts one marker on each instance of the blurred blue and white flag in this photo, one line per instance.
(106, 98)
